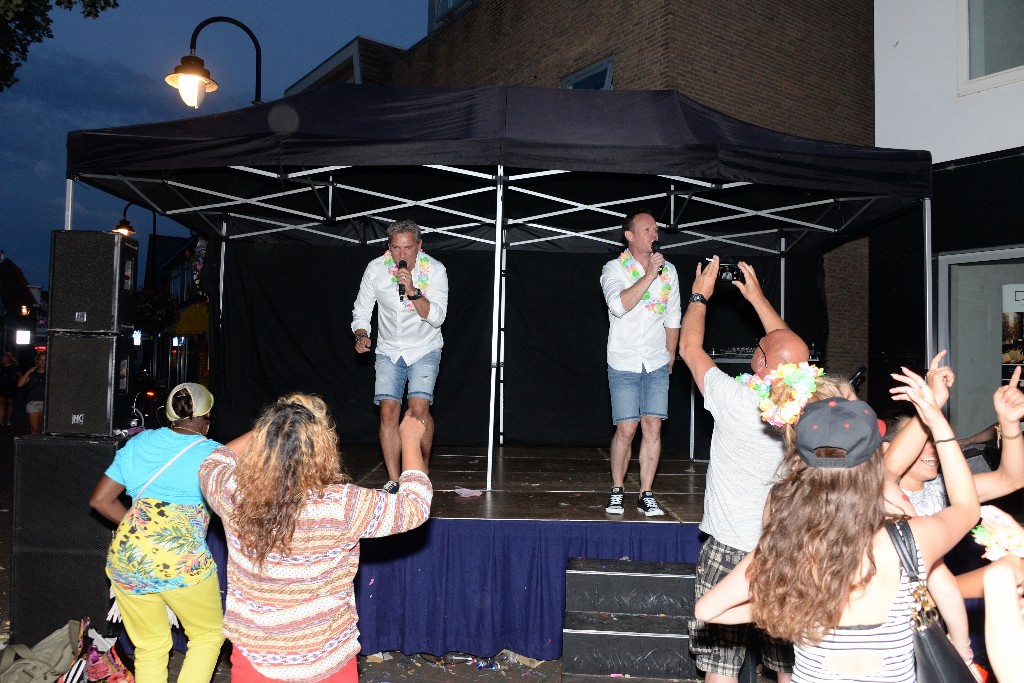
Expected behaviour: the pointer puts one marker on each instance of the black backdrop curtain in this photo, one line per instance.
(286, 327)
(287, 313)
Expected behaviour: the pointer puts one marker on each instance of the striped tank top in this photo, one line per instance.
(880, 653)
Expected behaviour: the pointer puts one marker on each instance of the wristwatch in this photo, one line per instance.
(698, 298)
(417, 295)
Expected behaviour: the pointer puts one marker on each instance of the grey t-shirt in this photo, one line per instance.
(745, 457)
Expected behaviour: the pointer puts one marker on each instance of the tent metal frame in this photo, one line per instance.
(222, 209)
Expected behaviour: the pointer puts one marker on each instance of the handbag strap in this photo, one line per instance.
(168, 464)
(903, 539)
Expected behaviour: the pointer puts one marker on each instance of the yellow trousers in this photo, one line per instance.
(200, 614)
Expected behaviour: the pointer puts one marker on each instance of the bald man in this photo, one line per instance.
(745, 457)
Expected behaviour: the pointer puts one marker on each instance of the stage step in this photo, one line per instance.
(627, 618)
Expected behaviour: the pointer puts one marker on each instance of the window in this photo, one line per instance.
(594, 77)
(991, 51)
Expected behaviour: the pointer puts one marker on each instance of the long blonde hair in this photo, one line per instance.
(292, 456)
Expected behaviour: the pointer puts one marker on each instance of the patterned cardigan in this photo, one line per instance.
(295, 618)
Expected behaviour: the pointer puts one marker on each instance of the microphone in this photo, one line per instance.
(401, 288)
(858, 377)
(656, 249)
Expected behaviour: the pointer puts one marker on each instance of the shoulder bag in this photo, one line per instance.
(936, 657)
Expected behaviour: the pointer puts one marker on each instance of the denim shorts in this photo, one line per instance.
(392, 377)
(636, 394)
(34, 407)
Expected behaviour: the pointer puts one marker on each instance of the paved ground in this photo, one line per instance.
(394, 667)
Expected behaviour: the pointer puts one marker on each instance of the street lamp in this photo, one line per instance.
(192, 78)
(125, 227)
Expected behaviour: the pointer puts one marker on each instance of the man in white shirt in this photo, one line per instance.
(744, 463)
(410, 290)
(642, 293)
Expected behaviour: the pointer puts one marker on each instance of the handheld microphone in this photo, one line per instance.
(401, 288)
(656, 249)
(858, 377)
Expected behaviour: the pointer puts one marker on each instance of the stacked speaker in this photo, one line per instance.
(60, 544)
(89, 378)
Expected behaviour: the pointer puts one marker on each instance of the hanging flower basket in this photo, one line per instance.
(155, 310)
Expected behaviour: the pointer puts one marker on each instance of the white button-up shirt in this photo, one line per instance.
(403, 333)
(636, 338)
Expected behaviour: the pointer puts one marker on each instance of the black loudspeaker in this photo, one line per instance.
(89, 384)
(60, 544)
(92, 282)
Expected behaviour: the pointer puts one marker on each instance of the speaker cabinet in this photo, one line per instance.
(92, 282)
(89, 384)
(60, 544)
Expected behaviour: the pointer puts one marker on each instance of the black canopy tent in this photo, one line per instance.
(501, 169)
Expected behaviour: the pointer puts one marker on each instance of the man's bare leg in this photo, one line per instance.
(420, 408)
(650, 451)
(622, 451)
(390, 442)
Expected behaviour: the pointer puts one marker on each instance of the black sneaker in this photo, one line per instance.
(615, 501)
(391, 487)
(647, 505)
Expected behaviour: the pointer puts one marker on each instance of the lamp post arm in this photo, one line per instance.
(256, 44)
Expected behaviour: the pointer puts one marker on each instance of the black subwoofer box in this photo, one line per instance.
(60, 544)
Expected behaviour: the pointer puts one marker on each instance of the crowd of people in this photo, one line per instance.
(803, 483)
(803, 493)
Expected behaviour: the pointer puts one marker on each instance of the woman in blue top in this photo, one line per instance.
(158, 557)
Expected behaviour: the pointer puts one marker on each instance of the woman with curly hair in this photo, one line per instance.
(293, 522)
(825, 574)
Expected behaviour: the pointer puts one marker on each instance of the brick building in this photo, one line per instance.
(800, 68)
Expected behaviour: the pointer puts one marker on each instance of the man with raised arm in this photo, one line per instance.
(641, 290)
(744, 463)
(410, 290)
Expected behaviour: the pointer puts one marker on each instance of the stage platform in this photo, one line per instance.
(563, 484)
(487, 573)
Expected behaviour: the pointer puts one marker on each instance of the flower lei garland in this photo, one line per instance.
(422, 273)
(803, 382)
(999, 533)
(632, 269)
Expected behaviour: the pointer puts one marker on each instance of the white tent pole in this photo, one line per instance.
(929, 322)
(220, 275)
(782, 276)
(499, 246)
(69, 202)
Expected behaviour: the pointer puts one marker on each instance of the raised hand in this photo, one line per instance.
(750, 288)
(705, 279)
(1009, 400)
(940, 378)
(412, 428)
(916, 391)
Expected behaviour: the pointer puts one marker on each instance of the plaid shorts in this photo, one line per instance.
(720, 648)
